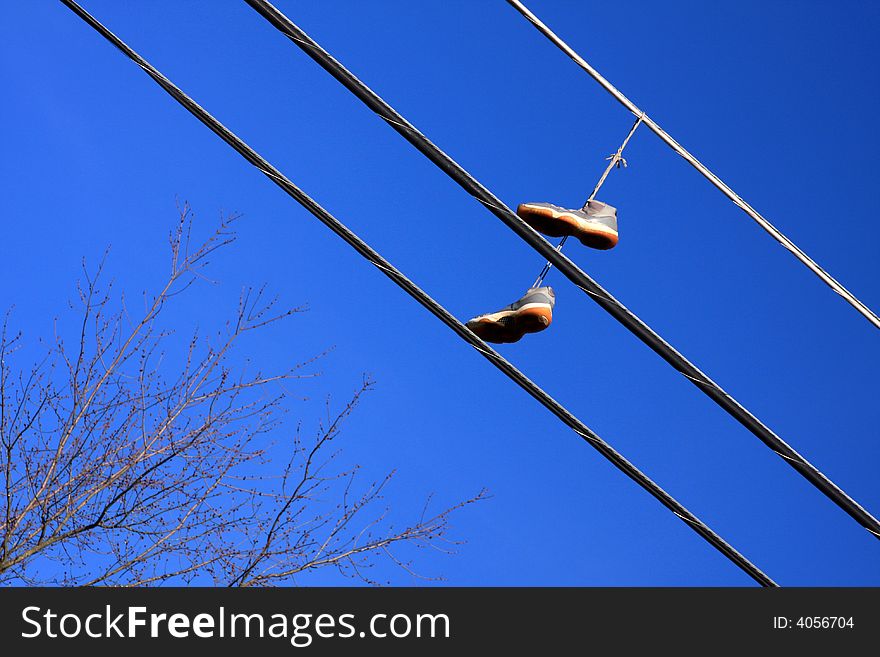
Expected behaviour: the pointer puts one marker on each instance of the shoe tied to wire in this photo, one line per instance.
(595, 225)
(533, 312)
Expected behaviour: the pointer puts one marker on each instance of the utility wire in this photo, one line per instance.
(428, 302)
(829, 280)
(570, 270)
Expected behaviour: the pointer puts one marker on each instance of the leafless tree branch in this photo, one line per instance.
(118, 469)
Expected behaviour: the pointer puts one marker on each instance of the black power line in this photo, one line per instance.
(429, 303)
(570, 270)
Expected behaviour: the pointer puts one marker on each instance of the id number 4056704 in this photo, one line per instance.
(813, 622)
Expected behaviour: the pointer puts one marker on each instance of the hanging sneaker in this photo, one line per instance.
(595, 225)
(530, 314)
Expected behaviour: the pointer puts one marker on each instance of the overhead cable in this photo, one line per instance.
(570, 270)
(798, 253)
(428, 302)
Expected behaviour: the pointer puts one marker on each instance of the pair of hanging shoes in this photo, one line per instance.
(594, 225)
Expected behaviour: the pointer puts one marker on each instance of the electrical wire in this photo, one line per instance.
(829, 280)
(428, 302)
(570, 270)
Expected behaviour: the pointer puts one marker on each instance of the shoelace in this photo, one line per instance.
(616, 159)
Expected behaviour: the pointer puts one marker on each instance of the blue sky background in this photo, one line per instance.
(773, 96)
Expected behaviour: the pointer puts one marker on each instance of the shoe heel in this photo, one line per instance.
(534, 320)
(597, 240)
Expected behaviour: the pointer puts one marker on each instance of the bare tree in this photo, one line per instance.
(113, 471)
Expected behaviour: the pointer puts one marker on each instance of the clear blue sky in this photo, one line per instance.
(776, 97)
